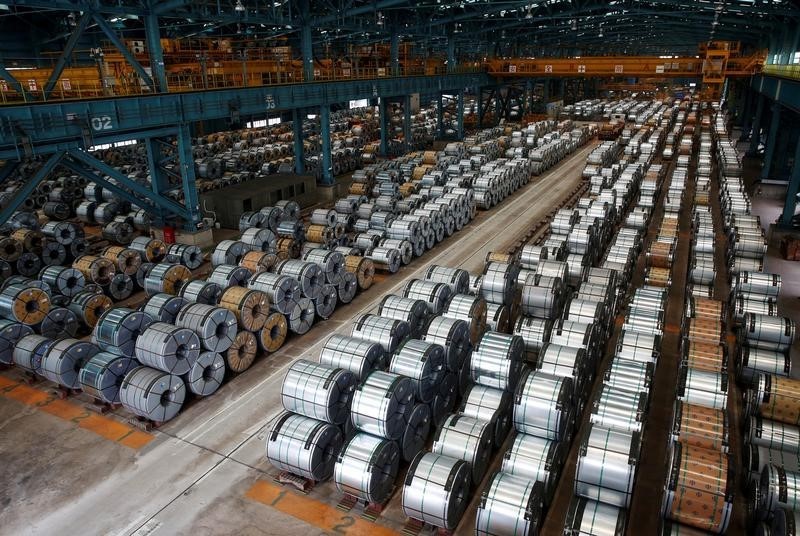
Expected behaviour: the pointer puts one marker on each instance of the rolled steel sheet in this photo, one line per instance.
(163, 307)
(607, 461)
(367, 467)
(308, 275)
(168, 348)
(543, 405)
(301, 317)
(29, 351)
(331, 263)
(63, 280)
(618, 409)
(754, 361)
(356, 355)
(229, 275)
(167, 278)
(470, 309)
(118, 328)
(150, 249)
(413, 311)
(755, 458)
(535, 458)
(363, 268)
(455, 278)
(542, 296)
(229, 252)
(152, 394)
(423, 362)
(699, 426)
(382, 404)
(510, 506)
(347, 288)
(768, 332)
(772, 434)
(89, 306)
(497, 283)
(257, 261)
(102, 375)
(283, 291)
(188, 255)
(10, 334)
(318, 391)
(126, 261)
(778, 398)
(64, 359)
(758, 283)
(490, 405)
(387, 332)
(239, 356)
(263, 240)
(251, 307)
(216, 327)
(468, 438)
(416, 432)
(497, 317)
(436, 489)
(272, 336)
(199, 291)
(325, 303)
(206, 374)
(53, 254)
(704, 388)
(120, 287)
(497, 361)
(586, 517)
(699, 488)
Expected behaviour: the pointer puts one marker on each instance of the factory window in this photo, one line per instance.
(796, 57)
(274, 121)
(257, 124)
(110, 145)
(360, 103)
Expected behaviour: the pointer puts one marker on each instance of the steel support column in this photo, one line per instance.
(123, 49)
(65, 58)
(747, 97)
(791, 190)
(29, 186)
(307, 51)
(383, 112)
(325, 139)
(771, 140)
(191, 198)
(12, 82)
(451, 53)
(394, 53)
(158, 178)
(755, 136)
(440, 117)
(156, 53)
(460, 127)
(407, 121)
(297, 131)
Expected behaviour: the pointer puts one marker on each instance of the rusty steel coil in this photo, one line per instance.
(250, 306)
(126, 260)
(242, 352)
(95, 269)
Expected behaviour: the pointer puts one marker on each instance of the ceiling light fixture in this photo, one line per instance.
(239, 8)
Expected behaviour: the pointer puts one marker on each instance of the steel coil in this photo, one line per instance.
(102, 375)
(95, 269)
(216, 327)
(318, 391)
(535, 333)
(229, 275)
(470, 309)
(423, 362)
(118, 329)
(63, 232)
(325, 303)
(65, 281)
(490, 405)
(497, 361)
(387, 332)
(467, 438)
(206, 374)
(283, 291)
(331, 263)
(497, 317)
(363, 268)
(510, 506)
(257, 261)
(543, 405)
(768, 332)
(453, 336)
(29, 350)
(63, 360)
(166, 278)
(607, 461)
(535, 458)
(169, 348)
(435, 490)
(699, 489)
(699, 426)
(618, 409)
(272, 336)
(250, 306)
(24, 304)
(89, 306)
(455, 278)
(187, 255)
(586, 517)
(356, 355)
(307, 274)
(10, 334)
(410, 310)
(150, 249)
(347, 288)
(382, 404)
(263, 240)
(126, 261)
(239, 356)
(772, 434)
(53, 254)
(152, 394)
(416, 432)
(367, 467)
(199, 291)
(163, 307)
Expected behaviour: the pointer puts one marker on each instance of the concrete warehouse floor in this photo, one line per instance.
(67, 470)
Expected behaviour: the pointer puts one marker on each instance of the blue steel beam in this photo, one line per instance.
(29, 186)
(89, 174)
(138, 193)
(772, 138)
(191, 199)
(325, 139)
(12, 82)
(791, 191)
(407, 121)
(297, 129)
(47, 125)
(383, 117)
(114, 38)
(158, 179)
(461, 115)
(154, 50)
(64, 58)
(439, 117)
(784, 90)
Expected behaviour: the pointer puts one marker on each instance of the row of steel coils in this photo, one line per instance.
(608, 456)
(771, 446)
